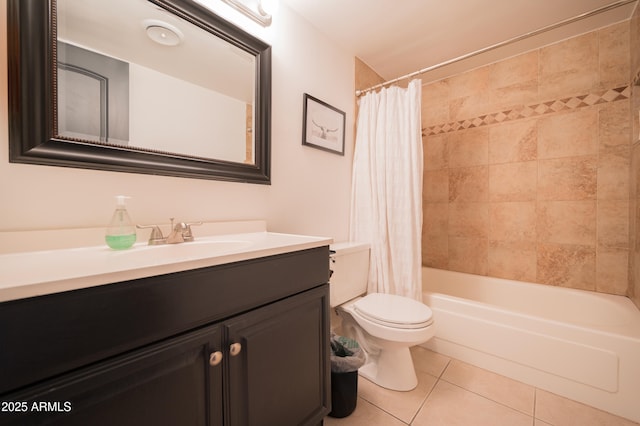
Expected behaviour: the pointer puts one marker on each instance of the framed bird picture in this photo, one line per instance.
(323, 126)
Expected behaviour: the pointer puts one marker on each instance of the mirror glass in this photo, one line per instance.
(132, 74)
(145, 86)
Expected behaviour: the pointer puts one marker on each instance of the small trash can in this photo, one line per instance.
(346, 358)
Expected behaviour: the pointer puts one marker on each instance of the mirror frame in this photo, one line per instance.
(31, 41)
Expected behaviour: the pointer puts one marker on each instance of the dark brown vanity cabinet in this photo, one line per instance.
(285, 347)
(245, 351)
(165, 384)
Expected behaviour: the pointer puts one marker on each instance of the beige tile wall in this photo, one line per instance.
(634, 210)
(365, 77)
(527, 165)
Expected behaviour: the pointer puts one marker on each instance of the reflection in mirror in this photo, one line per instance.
(125, 79)
(93, 96)
(146, 86)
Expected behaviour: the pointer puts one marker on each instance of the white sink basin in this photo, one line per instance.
(200, 248)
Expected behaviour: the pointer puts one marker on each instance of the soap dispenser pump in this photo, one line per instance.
(121, 234)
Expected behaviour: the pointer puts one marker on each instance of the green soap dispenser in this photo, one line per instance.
(121, 234)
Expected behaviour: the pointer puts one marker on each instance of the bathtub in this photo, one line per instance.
(579, 344)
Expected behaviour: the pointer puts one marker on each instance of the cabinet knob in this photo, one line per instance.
(235, 349)
(215, 358)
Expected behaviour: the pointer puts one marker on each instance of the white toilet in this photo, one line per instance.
(384, 325)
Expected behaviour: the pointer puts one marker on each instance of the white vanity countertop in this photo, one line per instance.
(37, 273)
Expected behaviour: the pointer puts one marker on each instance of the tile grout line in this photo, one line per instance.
(493, 400)
(426, 398)
(385, 411)
(438, 378)
(535, 397)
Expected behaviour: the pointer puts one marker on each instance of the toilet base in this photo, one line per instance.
(392, 369)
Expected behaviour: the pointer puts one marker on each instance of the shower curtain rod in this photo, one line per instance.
(498, 45)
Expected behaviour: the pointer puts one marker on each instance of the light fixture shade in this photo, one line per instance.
(253, 9)
(269, 7)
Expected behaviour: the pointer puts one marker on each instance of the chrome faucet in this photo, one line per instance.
(187, 235)
(177, 233)
(180, 233)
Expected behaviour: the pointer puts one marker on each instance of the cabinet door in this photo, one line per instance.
(170, 383)
(280, 373)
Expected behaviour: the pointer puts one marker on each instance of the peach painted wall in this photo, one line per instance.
(527, 165)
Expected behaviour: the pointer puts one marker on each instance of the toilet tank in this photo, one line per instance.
(350, 266)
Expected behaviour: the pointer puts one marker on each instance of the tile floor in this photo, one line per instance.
(451, 392)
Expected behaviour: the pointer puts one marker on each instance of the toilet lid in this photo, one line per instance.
(394, 311)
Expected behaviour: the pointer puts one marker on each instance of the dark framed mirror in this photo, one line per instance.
(89, 94)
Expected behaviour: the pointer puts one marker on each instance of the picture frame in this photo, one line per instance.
(323, 126)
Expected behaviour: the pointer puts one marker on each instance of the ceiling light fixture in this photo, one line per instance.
(162, 32)
(253, 9)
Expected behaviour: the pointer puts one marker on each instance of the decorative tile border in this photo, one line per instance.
(576, 102)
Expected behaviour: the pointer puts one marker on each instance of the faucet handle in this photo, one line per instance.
(156, 236)
(188, 234)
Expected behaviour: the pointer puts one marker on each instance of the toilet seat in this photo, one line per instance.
(394, 311)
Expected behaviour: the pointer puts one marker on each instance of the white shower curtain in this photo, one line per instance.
(386, 200)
